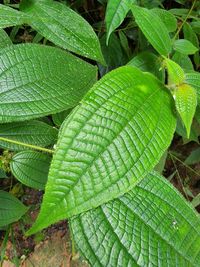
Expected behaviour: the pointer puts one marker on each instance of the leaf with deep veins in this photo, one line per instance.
(108, 144)
(152, 225)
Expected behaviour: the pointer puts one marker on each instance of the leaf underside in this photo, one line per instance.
(108, 144)
(152, 225)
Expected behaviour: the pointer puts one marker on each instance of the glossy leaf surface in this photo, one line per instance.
(154, 29)
(64, 27)
(108, 143)
(152, 225)
(38, 80)
(31, 168)
(193, 79)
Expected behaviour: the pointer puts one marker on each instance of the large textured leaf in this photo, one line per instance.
(38, 80)
(11, 17)
(31, 168)
(30, 132)
(4, 39)
(186, 102)
(11, 209)
(193, 79)
(153, 28)
(152, 225)
(168, 18)
(176, 75)
(115, 13)
(64, 27)
(108, 144)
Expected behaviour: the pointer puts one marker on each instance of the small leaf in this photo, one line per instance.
(31, 132)
(151, 225)
(194, 157)
(4, 39)
(58, 118)
(37, 80)
(183, 61)
(185, 47)
(11, 209)
(31, 168)
(176, 75)
(115, 13)
(64, 27)
(186, 102)
(168, 18)
(149, 62)
(108, 143)
(193, 79)
(154, 29)
(11, 17)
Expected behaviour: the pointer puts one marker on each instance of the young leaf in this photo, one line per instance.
(11, 17)
(154, 29)
(31, 132)
(64, 27)
(186, 102)
(39, 80)
(4, 39)
(151, 225)
(168, 18)
(185, 47)
(108, 143)
(176, 75)
(31, 168)
(115, 13)
(11, 209)
(193, 79)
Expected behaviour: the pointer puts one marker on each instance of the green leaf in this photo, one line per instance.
(108, 143)
(3, 174)
(151, 225)
(185, 47)
(186, 102)
(115, 13)
(31, 168)
(176, 75)
(11, 209)
(58, 118)
(194, 157)
(11, 17)
(31, 132)
(4, 39)
(64, 27)
(193, 79)
(149, 62)
(167, 18)
(183, 61)
(39, 80)
(154, 29)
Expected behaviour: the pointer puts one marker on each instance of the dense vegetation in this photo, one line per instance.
(99, 108)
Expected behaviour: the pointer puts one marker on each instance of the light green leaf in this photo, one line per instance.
(39, 80)
(30, 132)
(168, 18)
(147, 61)
(11, 209)
(185, 47)
(151, 225)
(31, 168)
(176, 75)
(186, 102)
(64, 27)
(193, 79)
(108, 143)
(154, 29)
(115, 13)
(11, 17)
(4, 39)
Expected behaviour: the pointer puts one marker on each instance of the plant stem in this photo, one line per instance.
(27, 145)
(184, 21)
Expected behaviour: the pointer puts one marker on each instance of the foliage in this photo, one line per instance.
(106, 136)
